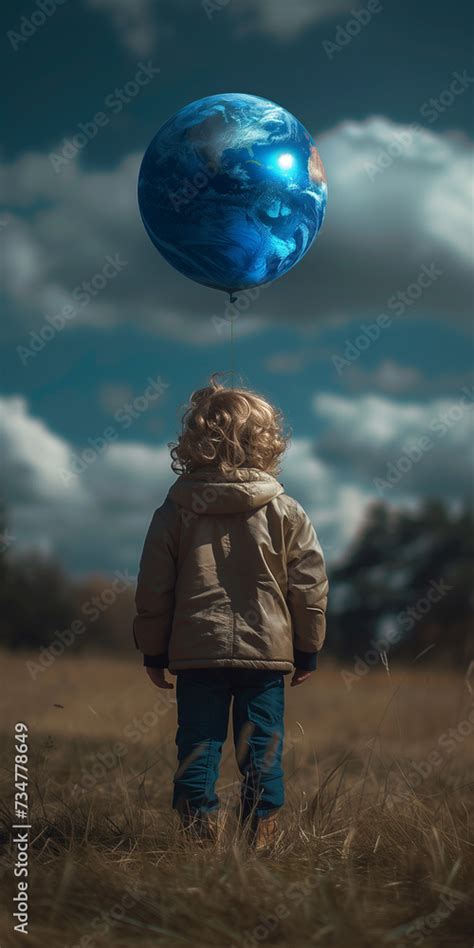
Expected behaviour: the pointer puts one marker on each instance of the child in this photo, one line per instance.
(231, 597)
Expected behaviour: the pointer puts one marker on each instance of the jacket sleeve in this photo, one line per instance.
(307, 590)
(154, 597)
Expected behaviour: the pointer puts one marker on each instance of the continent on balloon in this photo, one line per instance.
(232, 191)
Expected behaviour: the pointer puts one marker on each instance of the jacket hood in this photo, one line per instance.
(211, 492)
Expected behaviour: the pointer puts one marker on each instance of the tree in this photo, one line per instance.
(405, 584)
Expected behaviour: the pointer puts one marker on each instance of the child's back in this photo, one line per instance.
(233, 569)
(231, 595)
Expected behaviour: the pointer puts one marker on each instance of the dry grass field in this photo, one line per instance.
(374, 848)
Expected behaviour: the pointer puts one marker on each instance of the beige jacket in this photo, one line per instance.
(231, 574)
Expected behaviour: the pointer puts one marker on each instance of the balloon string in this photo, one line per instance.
(232, 299)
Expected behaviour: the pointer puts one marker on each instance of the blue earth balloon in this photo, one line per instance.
(232, 191)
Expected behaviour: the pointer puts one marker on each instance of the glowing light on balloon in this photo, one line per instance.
(286, 161)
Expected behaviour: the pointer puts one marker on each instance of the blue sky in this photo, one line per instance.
(390, 111)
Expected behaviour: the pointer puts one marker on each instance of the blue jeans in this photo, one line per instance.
(204, 697)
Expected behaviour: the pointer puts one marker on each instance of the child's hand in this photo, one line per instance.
(299, 677)
(157, 676)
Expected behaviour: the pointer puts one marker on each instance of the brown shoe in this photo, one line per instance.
(265, 833)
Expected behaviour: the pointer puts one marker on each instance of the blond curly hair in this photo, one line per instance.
(229, 428)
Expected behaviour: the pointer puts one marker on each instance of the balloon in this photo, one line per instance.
(232, 191)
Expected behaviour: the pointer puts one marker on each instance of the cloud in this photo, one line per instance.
(393, 378)
(282, 20)
(289, 362)
(32, 456)
(96, 519)
(389, 376)
(380, 231)
(93, 519)
(91, 507)
(137, 23)
(399, 450)
(78, 219)
(112, 396)
(133, 21)
(335, 506)
(286, 363)
(383, 227)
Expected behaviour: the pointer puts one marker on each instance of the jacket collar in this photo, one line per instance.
(207, 490)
